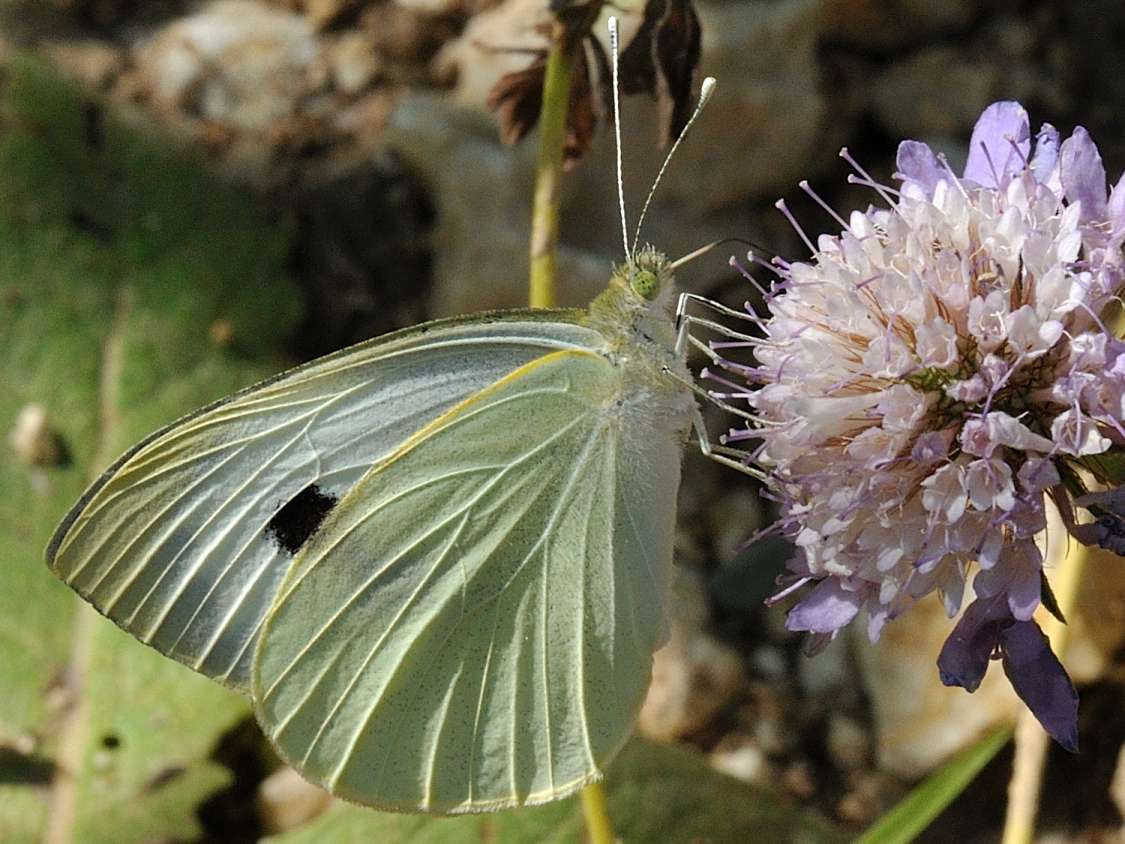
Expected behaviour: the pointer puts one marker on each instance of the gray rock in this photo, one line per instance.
(353, 62)
(236, 62)
(286, 801)
(919, 723)
(694, 676)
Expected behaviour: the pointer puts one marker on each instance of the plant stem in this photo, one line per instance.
(598, 827)
(541, 290)
(548, 171)
(1031, 742)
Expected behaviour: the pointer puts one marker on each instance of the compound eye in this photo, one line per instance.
(645, 284)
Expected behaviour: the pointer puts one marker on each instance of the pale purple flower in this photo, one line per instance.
(929, 376)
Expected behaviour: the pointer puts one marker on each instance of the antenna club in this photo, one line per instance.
(706, 89)
(843, 153)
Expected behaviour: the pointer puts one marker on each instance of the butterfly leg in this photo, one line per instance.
(733, 457)
(685, 320)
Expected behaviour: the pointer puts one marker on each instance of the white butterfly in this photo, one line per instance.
(437, 561)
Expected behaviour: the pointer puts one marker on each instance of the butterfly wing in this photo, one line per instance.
(472, 628)
(184, 540)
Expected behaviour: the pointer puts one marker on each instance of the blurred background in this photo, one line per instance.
(195, 195)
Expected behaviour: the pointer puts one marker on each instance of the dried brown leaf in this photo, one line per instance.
(661, 60)
(517, 98)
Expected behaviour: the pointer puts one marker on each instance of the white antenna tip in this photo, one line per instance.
(706, 90)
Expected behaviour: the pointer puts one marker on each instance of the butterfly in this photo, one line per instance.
(437, 562)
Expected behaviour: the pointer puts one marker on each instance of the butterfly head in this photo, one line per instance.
(647, 277)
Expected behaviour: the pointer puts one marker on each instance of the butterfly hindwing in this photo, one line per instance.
(472, 627)
(184, 540)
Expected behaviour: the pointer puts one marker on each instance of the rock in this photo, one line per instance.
(236, 62)
(766, 64)
(865, 798)
(353, 62)
(919, 723)
(877, 23)
(482, 195)
(911, 98)
(831, 670)
(361, 239)
(694, 676)
(402, 34)
(94, 64)
(769, 662)
(495, 42)
(798, 780)
(1097, 626)
(324, 13)
(768, 719)
(286, 801)
(482, 189)
(431, 8)
(848, 742)
(740, 758)
(34, 440)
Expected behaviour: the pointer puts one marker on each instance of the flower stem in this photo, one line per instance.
(598, 827)
(548, 171)
(1031, 742)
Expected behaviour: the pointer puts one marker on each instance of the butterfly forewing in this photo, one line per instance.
(473, 625)
(185, 539)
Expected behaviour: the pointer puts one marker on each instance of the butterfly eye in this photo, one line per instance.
(645, 284)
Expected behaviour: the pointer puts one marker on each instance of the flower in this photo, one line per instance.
(928, 377)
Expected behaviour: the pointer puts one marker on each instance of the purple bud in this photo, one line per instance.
(964, 656)
(1041, 682)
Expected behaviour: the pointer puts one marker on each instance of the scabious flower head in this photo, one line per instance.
(929, 376)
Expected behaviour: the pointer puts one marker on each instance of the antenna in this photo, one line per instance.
(613, 51)
(705, 91)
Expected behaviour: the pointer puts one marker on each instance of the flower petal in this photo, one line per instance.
(1083, 176)
(1115, 209)
(917, 163)
(1041, 682)
(1046, 153)
(1000, 145)
(825, 609)
(964, 656)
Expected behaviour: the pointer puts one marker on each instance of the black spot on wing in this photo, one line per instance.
(293, 524)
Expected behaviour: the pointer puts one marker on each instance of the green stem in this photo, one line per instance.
(541, 292)
(594, 808)
(548, 172)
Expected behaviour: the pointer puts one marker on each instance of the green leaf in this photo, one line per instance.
(918, 809)
(115, 262)
(1108, 468)
(655, 792)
